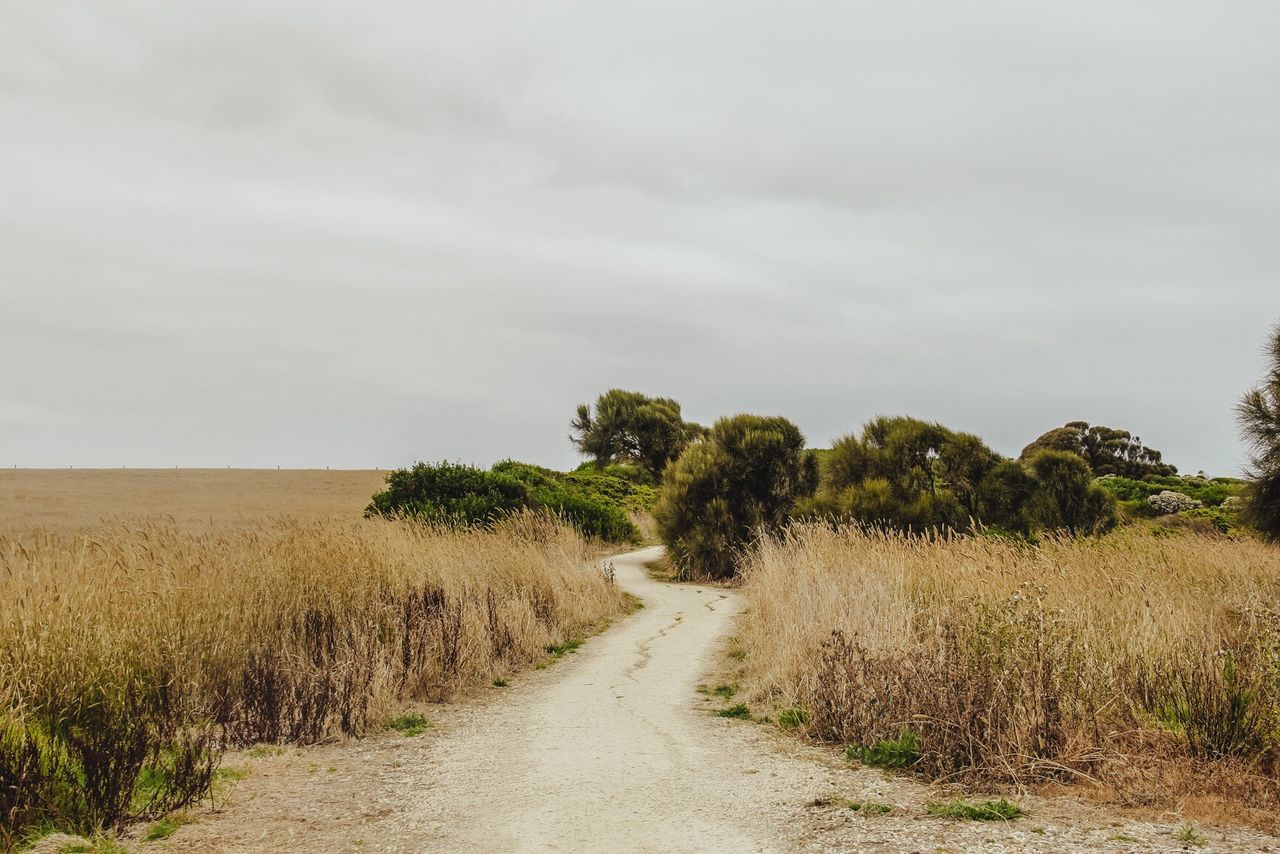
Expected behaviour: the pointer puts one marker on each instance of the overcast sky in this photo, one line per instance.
(360, 234)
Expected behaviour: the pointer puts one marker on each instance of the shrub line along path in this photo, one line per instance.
(614, 749)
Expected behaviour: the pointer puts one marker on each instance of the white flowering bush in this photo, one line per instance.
(1173, 502)
(1233, 504)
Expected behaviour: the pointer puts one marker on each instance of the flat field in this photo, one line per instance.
(196, 499)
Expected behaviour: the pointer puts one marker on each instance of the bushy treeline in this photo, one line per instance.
(597, 502)
(752, 474)
(910, 474)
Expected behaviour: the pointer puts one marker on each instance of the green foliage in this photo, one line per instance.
(910, 474)
(1210, 492)
(596, 503)
(565, 647)
(1065, 497)
(869, 808)
(411, 724)
(740, 712)
(628, 427)
(164, 828)
(450, 494)
(900, 752)
(1258, 414)
(1106, 450)
(793, 717)
(741, 479)
(996, 810)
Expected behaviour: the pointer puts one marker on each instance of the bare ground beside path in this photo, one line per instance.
(613, 749)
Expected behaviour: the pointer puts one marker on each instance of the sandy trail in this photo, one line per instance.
(613, 749)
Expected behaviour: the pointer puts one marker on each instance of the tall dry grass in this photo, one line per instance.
(130, 657)
(1093, 659)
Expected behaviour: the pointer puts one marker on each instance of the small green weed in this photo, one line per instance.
(410, 724)
(1001, 810)
(794, 717)
(262, 751)
(869, 808)
(1190, 835)
(1124, 837)
(165, 827)
(562, 649)
(500, 683)
(899, 752)
(740, 711)
(230, 774)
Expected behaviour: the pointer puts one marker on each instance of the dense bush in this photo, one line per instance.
(629, 427)
(1065, 497)
(1105, 449)
(461, 496)
(742, 478)
(1259, 416)
(450, 494)
(1210, 492)
(905, 473)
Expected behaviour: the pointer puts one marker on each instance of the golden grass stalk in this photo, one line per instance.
(119, 642)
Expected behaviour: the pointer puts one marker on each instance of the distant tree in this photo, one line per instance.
(743, 477)
(1105, 449)
(1064, 496)
(904, 472)
(628, 427)
(1259, 416)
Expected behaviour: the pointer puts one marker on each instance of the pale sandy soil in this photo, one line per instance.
(200, 500)
(614, 749)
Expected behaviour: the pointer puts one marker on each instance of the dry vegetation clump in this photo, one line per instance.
(132, 656)
(1149, 664)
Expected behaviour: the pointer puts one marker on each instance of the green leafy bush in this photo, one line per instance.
(462, 496)
(741, 479)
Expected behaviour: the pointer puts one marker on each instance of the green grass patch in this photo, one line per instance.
(900, 752)
(869, 808)
(794, 717)
(411, 724)
(262, 751)
(230, 774)
(1191, 836)
(165, 827)
(997, 810)
(500, 683)
(740, 712)
(562, 649)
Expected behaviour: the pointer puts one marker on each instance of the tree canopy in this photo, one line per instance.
(629, 427)
(1106, 450)
(1258, 414)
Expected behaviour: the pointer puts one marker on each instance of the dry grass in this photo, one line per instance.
(132, 655)
(201, 500)
(1149, 666)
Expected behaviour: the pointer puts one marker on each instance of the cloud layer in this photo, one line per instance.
(310, 234)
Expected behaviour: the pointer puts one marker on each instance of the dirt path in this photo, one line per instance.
(613, 749)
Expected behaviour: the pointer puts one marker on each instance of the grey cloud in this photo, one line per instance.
(313, 233)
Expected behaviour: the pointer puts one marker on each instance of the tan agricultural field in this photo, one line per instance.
(196, 499)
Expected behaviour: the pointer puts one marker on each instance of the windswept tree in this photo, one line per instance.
(906, 473)
(741, 479)
(1259, 416)
(1105, 449)
(628, 427)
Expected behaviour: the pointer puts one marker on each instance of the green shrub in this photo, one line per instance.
(997, 810)
(1065, 497)
(1105, 449)
(449, 493)
(741, 479)
(460, 495)
(900, 752)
